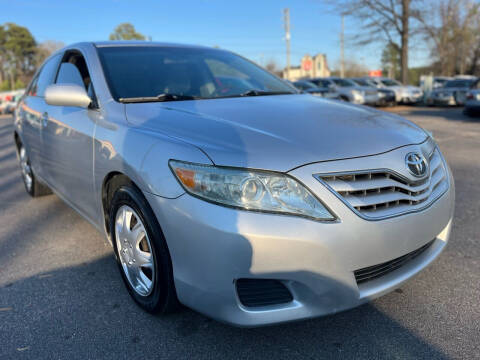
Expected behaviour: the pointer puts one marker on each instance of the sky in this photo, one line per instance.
(251, 28)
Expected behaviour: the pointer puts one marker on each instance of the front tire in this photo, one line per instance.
(141, 252)
(32, 185)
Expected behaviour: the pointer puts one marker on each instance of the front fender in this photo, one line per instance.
(155, 172)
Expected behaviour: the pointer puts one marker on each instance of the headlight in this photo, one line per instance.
(358, 93)
(249, 190)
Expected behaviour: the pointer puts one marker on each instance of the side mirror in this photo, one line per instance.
(67, 95)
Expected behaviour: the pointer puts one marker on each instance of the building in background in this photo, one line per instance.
(310, 67)
(375, 73)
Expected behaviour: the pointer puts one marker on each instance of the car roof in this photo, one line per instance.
(129, 43)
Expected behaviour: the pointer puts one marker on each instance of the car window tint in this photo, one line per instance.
(69, 74)
(47, 74)
(32, 88)
(147, 71)
(220, 69)
(458, 83)
(343, 82)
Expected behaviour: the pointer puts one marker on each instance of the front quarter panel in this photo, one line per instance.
(140, 154)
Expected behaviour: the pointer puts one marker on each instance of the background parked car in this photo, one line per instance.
(3, 103)
(453, 93)
(349, 90)
(405, 94)
(10, 108)
(428, 82)
(313, 89)
(472, 103)
(386, 97)
(8, 101)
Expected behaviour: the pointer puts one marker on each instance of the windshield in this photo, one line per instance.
(305, 85)
(362, 82)
(321, 83)
(343, 82)
(458, 83)
(150, 71)
(390, 82)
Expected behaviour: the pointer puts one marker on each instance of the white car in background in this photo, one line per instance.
(405, 94)
(453, 93)
(472, 103)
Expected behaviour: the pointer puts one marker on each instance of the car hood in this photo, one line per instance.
(365, 88)
(278, 132)
(405, 88)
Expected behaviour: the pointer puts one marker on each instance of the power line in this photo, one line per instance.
(286, 19)
(342, 60)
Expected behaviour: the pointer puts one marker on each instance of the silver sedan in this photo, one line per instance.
(223, 188)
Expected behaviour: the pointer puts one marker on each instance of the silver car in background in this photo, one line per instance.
(311, 88)
(349, 90)
(386, 97)
(472, 103)
(405, 94)
(453, 93)
(223, 188)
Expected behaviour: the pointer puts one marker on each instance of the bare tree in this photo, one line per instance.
(390, 21)
(273, 67)
(452, 32)
(351, 69)
(45, 49)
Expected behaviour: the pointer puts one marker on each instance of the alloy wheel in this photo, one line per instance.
(26, 169)
(134, 250)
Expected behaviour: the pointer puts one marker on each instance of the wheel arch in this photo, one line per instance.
(17, 140)
(111, 183)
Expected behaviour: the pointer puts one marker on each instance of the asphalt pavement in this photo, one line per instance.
(61, 296)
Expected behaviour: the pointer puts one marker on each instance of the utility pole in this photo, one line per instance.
(286, 20)
(342, 59)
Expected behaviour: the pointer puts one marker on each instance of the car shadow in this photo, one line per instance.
(448, 113)
(84, 311)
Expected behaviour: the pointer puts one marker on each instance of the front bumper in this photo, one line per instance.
(448, 100)
(387, 99)
(365, 99)
(213, 246)
(412, 98)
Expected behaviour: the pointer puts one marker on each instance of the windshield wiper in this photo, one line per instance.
(158, 98)
(254, 92)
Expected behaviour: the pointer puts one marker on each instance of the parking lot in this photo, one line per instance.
(61, 295)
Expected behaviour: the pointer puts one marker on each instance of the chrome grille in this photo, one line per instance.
(384, 193)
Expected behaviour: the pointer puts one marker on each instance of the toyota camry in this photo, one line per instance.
(223, 188)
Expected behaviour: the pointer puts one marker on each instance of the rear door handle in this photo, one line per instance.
(45, 119)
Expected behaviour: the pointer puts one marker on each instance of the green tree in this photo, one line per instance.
(5, 85)
(126, 31)
(45, 49)
(17, 52)
(391, 61)
(19, 84)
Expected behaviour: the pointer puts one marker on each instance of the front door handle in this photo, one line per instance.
(45, 119)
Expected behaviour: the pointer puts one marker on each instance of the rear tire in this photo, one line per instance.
(151, 284)
(32, 185)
